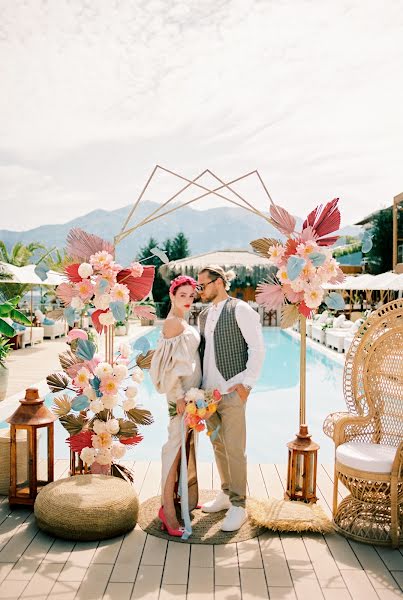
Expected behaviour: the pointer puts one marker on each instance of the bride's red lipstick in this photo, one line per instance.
(187, 305)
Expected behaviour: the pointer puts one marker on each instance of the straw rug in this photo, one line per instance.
(205, 526)
(283, 515)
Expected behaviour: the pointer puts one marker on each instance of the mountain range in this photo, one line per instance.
(207, 230)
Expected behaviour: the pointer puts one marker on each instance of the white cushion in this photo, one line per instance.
(323, 316)
(356, 325)
(346, 324)
(338, 321)
(375, 458)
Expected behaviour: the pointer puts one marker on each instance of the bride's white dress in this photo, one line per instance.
(175, 368)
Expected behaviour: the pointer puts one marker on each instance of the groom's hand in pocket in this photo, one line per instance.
(241, 390)
(180, 406)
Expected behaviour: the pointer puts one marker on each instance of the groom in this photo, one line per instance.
(232, 353)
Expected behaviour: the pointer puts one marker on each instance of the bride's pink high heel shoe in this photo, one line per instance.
(164, 525)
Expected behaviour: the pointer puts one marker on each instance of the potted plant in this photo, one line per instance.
(8, 311)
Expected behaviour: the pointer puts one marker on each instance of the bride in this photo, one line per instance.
(175, 368)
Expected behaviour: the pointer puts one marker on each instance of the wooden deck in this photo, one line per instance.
(281, 567)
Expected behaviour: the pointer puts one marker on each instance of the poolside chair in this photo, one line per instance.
(51, 329)
(335, 335)
(369, 437)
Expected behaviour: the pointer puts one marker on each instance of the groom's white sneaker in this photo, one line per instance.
(234, 519)
(220, 502)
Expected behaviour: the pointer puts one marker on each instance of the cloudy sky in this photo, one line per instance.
(94, 93)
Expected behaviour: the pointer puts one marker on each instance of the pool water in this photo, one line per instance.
(272, 408)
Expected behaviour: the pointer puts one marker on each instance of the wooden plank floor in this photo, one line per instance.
(288, 566)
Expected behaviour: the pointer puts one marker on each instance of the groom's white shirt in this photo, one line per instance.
(249, 323)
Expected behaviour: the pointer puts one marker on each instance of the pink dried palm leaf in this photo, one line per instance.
(324, 220)
(66, 293)
(282, 220)
(72, 273)
(270, 295)
(144, 312)
(81, 245)
(327, 241)
(339, 278)
(292, 296)
(74, 369)
(139, 287)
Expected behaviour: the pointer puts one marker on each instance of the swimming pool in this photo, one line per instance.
(272, 409)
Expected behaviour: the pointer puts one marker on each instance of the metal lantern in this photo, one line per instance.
(36, 420)
(302, 467)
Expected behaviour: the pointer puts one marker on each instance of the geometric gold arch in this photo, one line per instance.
(157, 214)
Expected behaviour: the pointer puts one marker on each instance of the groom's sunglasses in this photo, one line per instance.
(202, 286)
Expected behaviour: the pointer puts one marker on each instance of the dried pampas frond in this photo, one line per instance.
(262, 245)
(289, 314)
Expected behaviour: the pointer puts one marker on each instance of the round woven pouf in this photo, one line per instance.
(87, 507)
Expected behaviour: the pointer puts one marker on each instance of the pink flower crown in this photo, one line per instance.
(182, 280)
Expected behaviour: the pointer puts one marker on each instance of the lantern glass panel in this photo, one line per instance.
(311, 471)
(22, 460)
(42, 434)
(299, 473)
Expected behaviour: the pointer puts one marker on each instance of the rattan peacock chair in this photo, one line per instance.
(369, 437)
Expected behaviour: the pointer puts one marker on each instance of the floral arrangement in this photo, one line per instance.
(200, 405)
(87, 393)
(304, 263)
(96, 282)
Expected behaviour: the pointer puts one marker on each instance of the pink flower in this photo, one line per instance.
(101, 259)
(282, 275)
(136, 269)
(120, 293)
(109, 385)
(313, 297)
(306, 248)
(276, 254)
(270, 295)
(216, 395)
(82, 378)
(85, 289)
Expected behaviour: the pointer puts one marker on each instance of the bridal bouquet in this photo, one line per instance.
(304, 263)
(87, 395)
(200, 405)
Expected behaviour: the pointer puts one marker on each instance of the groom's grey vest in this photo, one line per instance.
(231, 350)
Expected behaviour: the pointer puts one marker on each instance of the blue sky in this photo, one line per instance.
(95, 93)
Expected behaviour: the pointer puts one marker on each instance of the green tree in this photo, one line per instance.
(380, 256)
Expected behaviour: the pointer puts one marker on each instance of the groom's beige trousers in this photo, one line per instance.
(229, 446)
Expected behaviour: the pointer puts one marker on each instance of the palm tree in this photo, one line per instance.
(19, 256)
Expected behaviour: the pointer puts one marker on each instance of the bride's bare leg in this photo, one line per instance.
(168, 494)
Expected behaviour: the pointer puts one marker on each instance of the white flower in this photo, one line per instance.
(77, 303)
(85, 270)
(87, 455)
(102, 301)
(282, 275)
(137, 375)
(118, 450)
(104, 457)
(124, 350)
(96, 406)
(90, 393)
(112, 426)
(131, 392)
(194, 394)
(109, 401)
(128, 404)
(107, 318)
(120, 372)
(103, 369)
(99, 426)
(102, 441)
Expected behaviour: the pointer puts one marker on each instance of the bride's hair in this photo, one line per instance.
(179, 281)
(217, 272)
